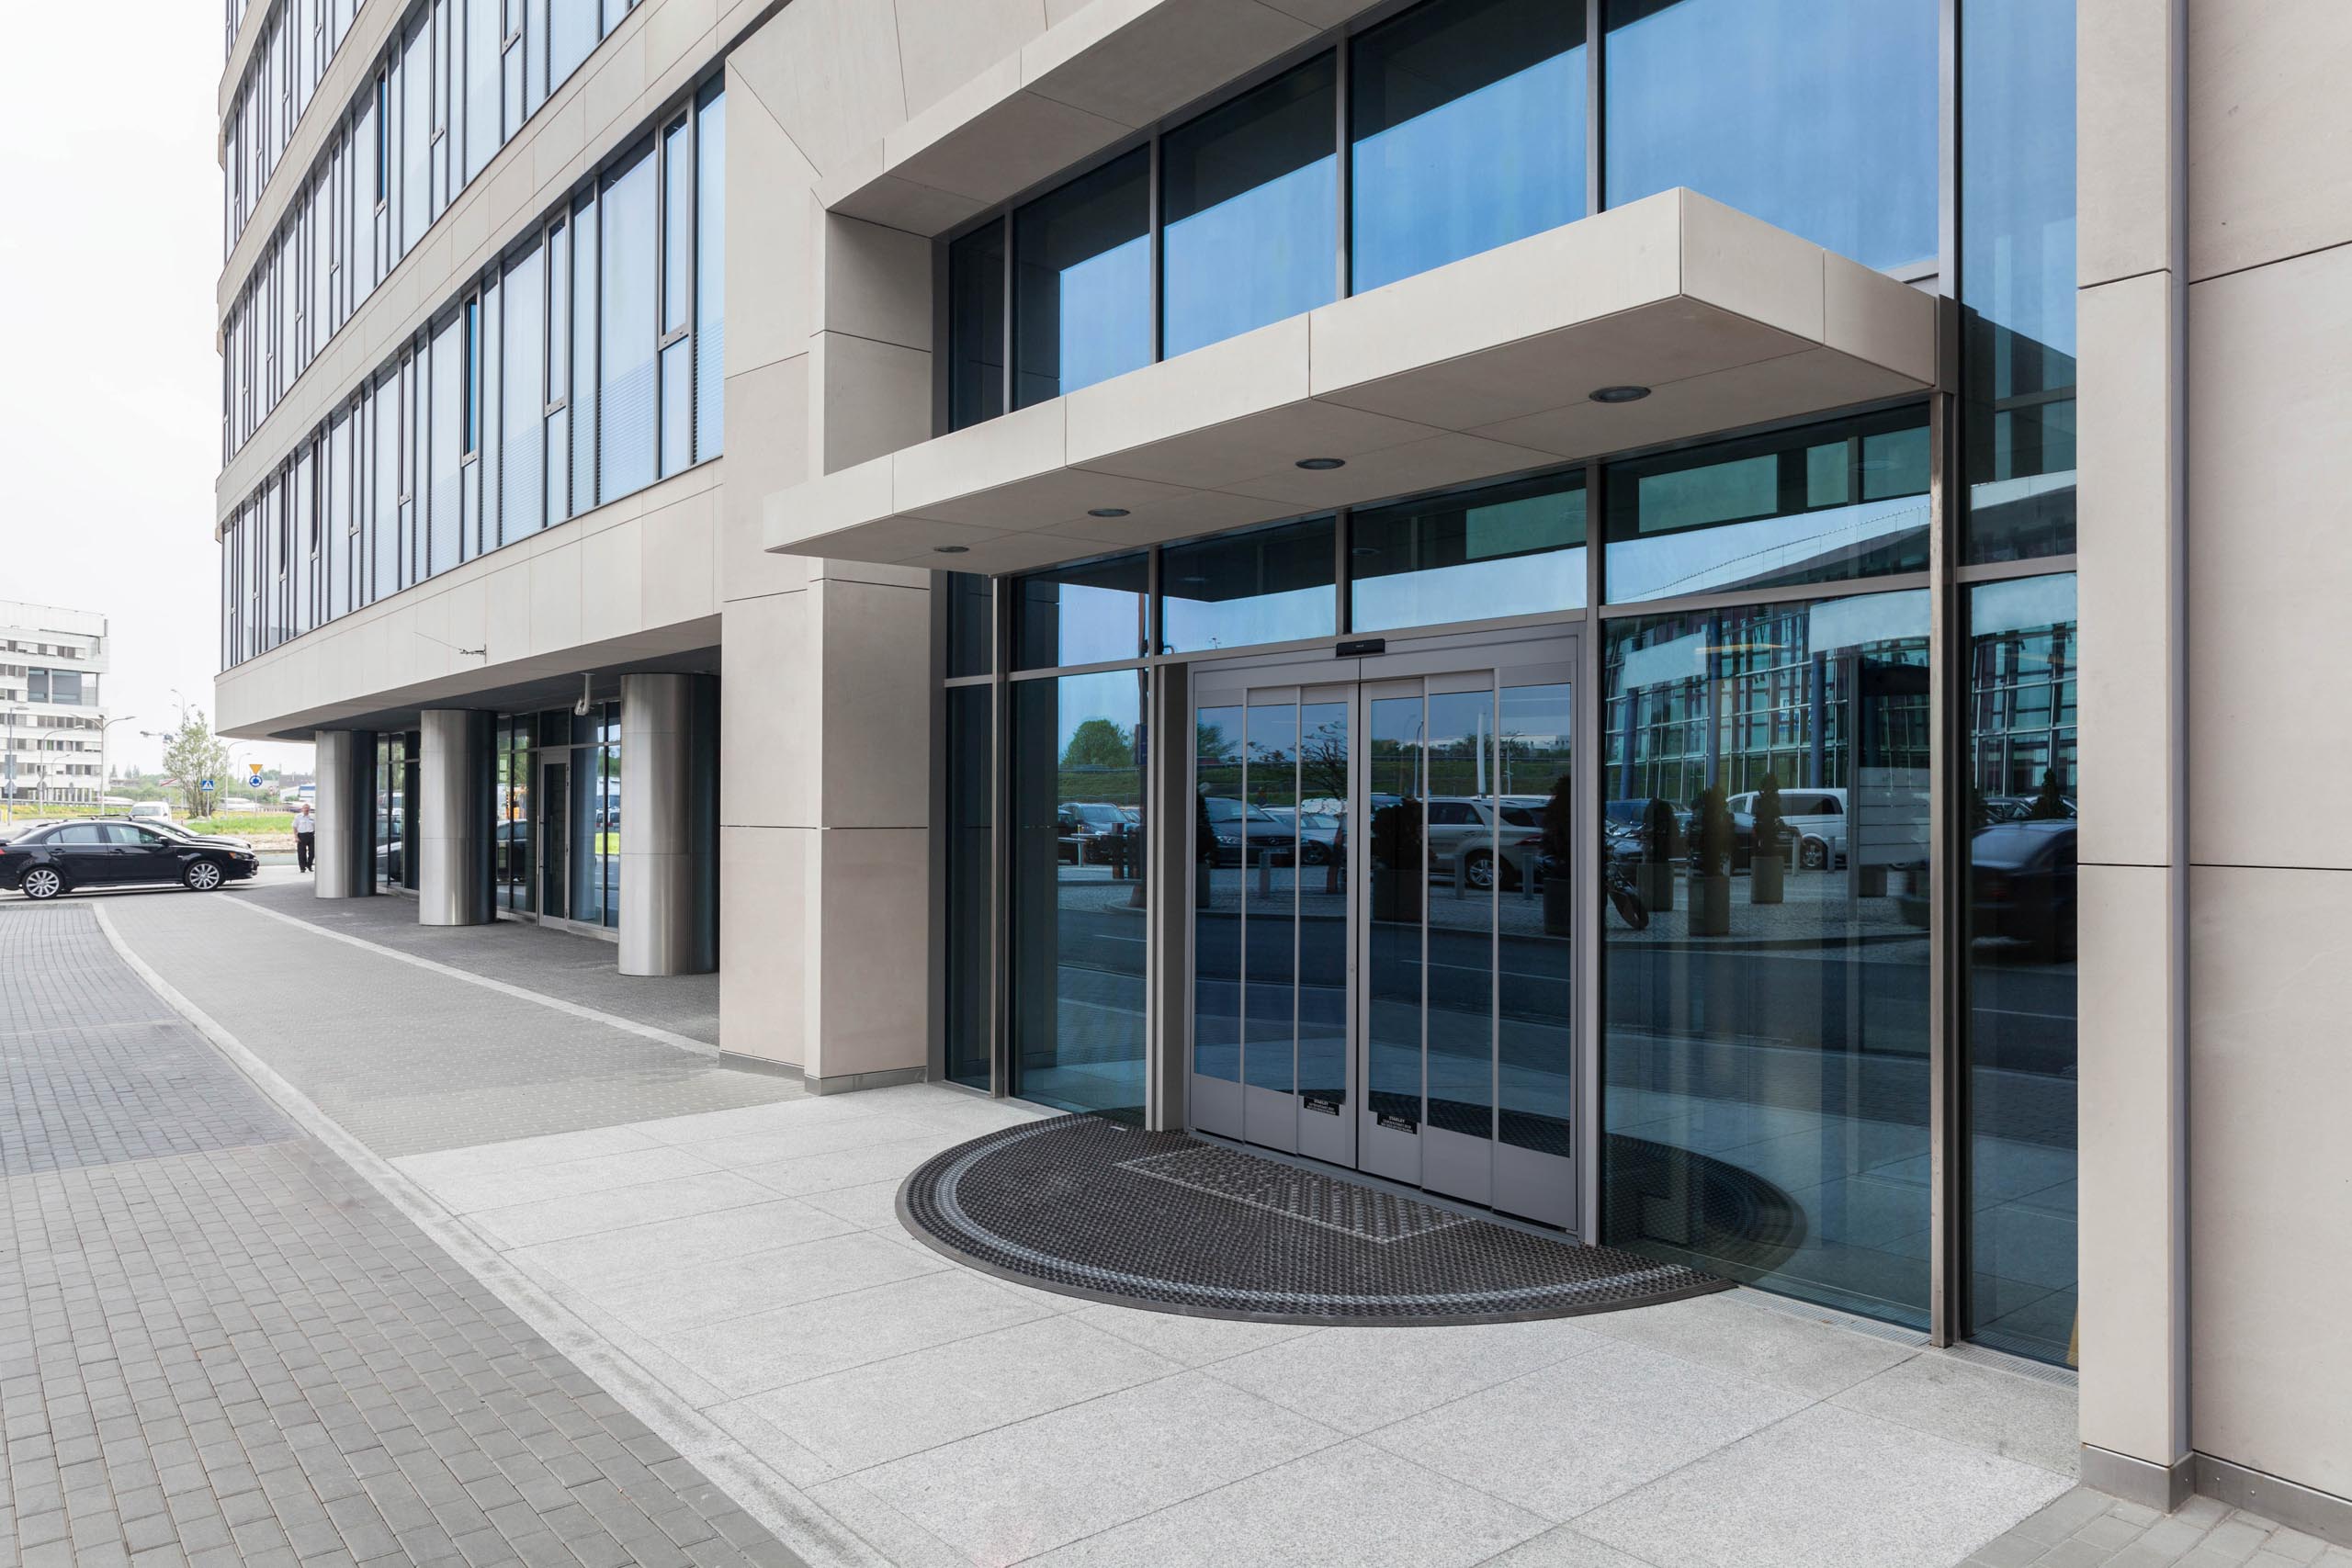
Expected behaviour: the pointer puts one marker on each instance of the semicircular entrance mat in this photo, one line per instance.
(1085, 1206)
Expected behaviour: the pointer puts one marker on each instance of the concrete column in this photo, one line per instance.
(451, 825)
(2133, 863)
(345, 844)
(669, 888)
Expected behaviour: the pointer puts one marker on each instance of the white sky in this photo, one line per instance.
(111, 387)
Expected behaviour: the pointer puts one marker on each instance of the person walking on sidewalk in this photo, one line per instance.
(306, 830)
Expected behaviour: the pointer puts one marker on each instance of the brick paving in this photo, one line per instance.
(219, 1344)
(2089, 1529)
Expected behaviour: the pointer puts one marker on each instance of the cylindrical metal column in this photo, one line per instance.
(669, 831)
(346, 842)
(451, 824)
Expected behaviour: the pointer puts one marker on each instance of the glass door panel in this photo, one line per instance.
(1327, 1119)
(1396, 874)
(1534, 1028)
(555, 836)
(1270, 923)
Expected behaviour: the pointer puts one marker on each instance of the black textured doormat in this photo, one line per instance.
(1089, 1207)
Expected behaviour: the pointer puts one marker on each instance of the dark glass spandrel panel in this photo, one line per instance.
(975, 326)
(970, 907)
(1816, 116)
(1825, 503)
(1270, 896)
(1534, 1028)
(1250, 210)
(1399, 859)
(1082, 281)
(1512, 550)
(1237, 590)
(1466, 131)
(1220, 874)
(625, 438)
(1081, 614)
(2024, 649)
(1460, 815)
(971, 630)
(2017, 278)
(1077, 898)
(1764, 1057)
(586, 817)
(555, 835)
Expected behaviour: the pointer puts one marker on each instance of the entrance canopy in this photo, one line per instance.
(1480, 369)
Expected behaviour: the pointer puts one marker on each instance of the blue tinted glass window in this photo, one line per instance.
(1082, 288)
(572, 33)
(521, 471)
(1081, 614)
(1513, 550)
(1249, 209)
(1466, 132)
(975, 325)
(2016, 276)
(1817, 116)
(711, 276)
(1823, 504)
(1267, 585)
(438, 458)
(624, 436)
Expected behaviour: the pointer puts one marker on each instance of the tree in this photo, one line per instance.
(2049, 801)
(1099, 743)
(195, 755)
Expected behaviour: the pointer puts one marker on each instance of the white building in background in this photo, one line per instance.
(52, 726)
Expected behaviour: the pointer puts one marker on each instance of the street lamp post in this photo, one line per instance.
(106, 727)
(14, 714)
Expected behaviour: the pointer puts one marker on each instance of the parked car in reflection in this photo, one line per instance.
(1473, 830)
(1090, 833)
(1817, 817)
(2019, 809)
(2022, 883)
(67, 855)
(1246, 834)
(1318, 833)
(1743, 842)
(1626, 825)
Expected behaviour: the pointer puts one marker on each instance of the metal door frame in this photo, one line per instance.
(568, 758)
(1221, 1108)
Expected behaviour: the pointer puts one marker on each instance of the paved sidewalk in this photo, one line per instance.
(735, 1269)
(220, 1346)
(2089, 1529)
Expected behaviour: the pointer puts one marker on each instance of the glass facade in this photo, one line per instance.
(457, 81)
(582, 366)
(970, 951)
(1083, 615)
(1268, 585)
(1081, 282)
(1508, 551)
(513, 783)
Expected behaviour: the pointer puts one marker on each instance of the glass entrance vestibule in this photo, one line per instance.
(1678, 851)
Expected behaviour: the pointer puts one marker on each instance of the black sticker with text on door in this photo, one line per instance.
(1326, 1107)
(1401, 1123)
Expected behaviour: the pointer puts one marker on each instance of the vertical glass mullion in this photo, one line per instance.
(1005, 320)
(1343, 183)
(1596, 34)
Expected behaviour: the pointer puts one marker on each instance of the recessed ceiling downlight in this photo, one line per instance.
(1317, 465)
(1618, 394)
(950, 549)
(1106, 511)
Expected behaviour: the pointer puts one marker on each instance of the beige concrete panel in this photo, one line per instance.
(1868, 314)
(874, 398)
(612, 586)
(555, 600)
(767, 447)
(826, 503)
(896, 538)
(762, 927)
(2269, 572)
(940, 41)
(877, 282)
(2273, 1170)
(559, 138)
(2124, 333)
(827, 70)
(2123, 117)
(1442, 459)
(1613, 261)
(1744, 264)
(680, 567)
(874, 938)
(1242, 375)
(672, 29)
(1134, 60)
(1019, 552)
(989, 137)
(876, 659)
(1223, 455)
(771, 227)
(898, 203)
(980, 457)
(1172, 516)
(509, 628)
(1058, 500)
(827, 569)
(2125, 1109)
(2269, 131)
(1321, 14)
(1816, 381)
(466, 619)
(770, 713)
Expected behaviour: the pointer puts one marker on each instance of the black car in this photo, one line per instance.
(49, 860)
(2023, 876)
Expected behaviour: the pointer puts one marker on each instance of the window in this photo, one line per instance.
(1512, 550)
(1817, 116)
(584, 354)
(628, 315)
(975, 326)
(710, 273)
(1081, 309)
(469, 435)
(522, 466)
(1083, 615)
(443, 390)
(1266, 585)
(1467, 131)
(676, 373)
(1257, 178)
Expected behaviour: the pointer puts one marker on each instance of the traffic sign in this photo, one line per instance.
(205, 786)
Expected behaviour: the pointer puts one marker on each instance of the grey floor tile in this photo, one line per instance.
(1564, 1547)
(873, 1206)
(1346, 1507)
(2002, 1413)
(479, 1191)
(1567, 1438)
(669, 1247)
(1826, 1488)
(1093, 1465)
(1355, 1380)
(1767, 1344)
(592, 1214)
(805, 1174)
(1184, 1338)
(713, 1293)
